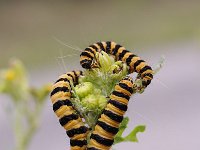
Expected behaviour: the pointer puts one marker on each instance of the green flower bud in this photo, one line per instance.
(14, 81)
(90, 102)
(105, 61)
(97, 91)
(84, 89)
(102, 102)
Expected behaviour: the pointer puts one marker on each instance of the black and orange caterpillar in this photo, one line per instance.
(63, 108)
(108, 123)
(107, 126)
(135, 63)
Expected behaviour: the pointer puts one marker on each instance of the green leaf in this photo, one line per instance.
(118, 138)
(123, 126)
(132, 137)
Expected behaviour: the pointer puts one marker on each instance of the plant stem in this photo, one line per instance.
(24, 131)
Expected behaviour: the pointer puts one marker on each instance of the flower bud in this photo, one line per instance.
(90, 102)
(102, 102)
(84, 89)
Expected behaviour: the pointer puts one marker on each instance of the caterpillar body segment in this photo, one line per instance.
(108, 123)
(135, 63)
(63, 108)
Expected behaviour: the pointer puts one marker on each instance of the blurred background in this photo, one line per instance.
(35, 32)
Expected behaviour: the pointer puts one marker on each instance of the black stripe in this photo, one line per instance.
(108, 47)
(81, 73)
(79, 143)
(102, 140)
(71, 76)
(85, 53)
(115, 50)
(128, 60)
(62, 79)
(144, 69)
(126, 87)
(107, 127)
(80, 130)
(119, 105)
(137, 63)
(92, 148)
(60, 103)
(65, 119)
(148, 74)
(76, 77)
(113, 116)
(121, 55)
(146, 83)
(86, 63)
(120, 94)
(75, 73)
(128, 78)
(59, 89)
(89, 50)
(93, 46)
(101, 46)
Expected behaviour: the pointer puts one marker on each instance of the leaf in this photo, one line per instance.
(132, 137)
(122, 126)
(118, 138)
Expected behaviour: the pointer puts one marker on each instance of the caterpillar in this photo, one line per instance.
(135, 63)
(63, 108)
(108, 123)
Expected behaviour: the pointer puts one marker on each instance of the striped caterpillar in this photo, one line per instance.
(107, 126)
(63, 108)
(108, 123)
(135, 63)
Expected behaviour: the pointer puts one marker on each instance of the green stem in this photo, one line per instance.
(24, 134)
(18, 128)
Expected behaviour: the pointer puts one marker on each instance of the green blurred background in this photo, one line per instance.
(169, 107)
